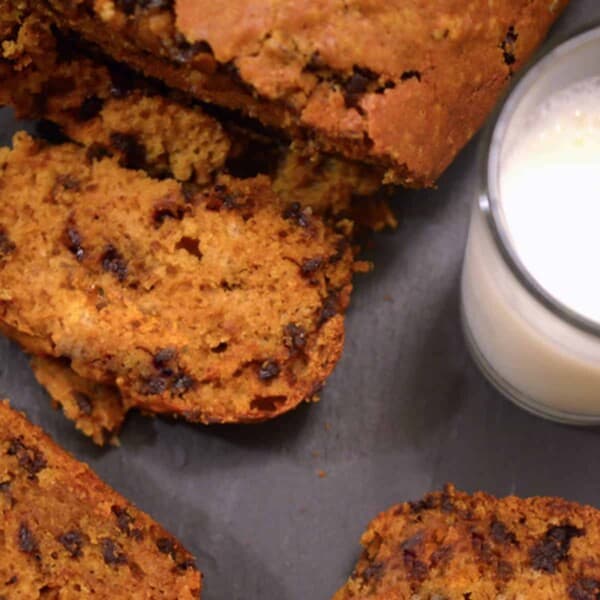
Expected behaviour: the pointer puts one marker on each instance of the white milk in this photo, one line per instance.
(549, 209)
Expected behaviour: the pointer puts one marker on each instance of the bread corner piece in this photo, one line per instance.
(457, 546)
(66, 534)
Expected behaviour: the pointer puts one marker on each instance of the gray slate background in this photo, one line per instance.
(405, 411)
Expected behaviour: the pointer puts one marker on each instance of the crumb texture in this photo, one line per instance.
(219, 305)
(455, 546)
(66, 534)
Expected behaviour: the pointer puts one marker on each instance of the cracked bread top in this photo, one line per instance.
(401, 84)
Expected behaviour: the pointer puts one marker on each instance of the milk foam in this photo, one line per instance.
(550, 196)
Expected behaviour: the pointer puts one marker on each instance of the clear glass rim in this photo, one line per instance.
(488, 200)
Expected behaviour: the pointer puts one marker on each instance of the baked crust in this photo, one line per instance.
(402, 84)
(457, 546)
(67, 534)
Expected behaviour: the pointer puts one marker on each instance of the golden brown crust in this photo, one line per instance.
(403, 84)
(457, 546)
(219, 306)
(67, 534)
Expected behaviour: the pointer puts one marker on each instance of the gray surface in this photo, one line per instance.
(404, 412)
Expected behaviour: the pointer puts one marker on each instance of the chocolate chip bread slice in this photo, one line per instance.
(66, 534)
(457, 546)
(403, 84)
(112, 110)
(220, 306)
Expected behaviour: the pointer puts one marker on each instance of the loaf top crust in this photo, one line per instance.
(403, 84)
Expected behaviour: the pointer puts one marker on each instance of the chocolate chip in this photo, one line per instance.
(315, 63)
(411, 75)
(97, 151)
(12, 580)
(295, 213)
(7, 246)
(184, 565)
(295, 337)
(311, 265)
(427, 503)
(84, 403)
(113, 262)
(69, 183)
(501, 534)
(416, 568)
(508, 46)
(182, 383)
(4, 487)
(329, 309)
(154, 386)
(27, 541)
(124, 519)
(165, 545)
(220, 348)
(357, 85)
(268, 370)
(553, 548)
(112, 553)
(90, 108)
(509, 58)
(73, 542)
(74, 242)
(133, 152)
(30, 458)
(162, 357)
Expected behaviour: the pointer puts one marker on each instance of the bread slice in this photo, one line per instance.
(112, 110)
(457, 546)
(401, 84)
(218, 306)
(66, 534)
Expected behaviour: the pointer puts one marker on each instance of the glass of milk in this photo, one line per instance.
(531, 276)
